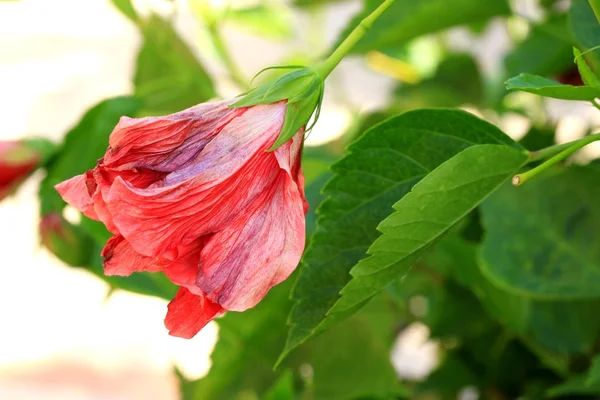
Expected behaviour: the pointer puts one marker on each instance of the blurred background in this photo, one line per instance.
(66, 334)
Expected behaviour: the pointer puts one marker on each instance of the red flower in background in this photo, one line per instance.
(197, 196)
(17, 161)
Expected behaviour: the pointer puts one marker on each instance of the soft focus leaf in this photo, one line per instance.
(585, 28)
(169, 77)
(408, 19)
(541, 237)
(546, 51)
(269, 20)
(83, 146)
(456, 82)
(382, 167)
(549, 88)
(127, 9)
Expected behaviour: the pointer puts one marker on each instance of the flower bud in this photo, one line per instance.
(65, 241)
(18, 159)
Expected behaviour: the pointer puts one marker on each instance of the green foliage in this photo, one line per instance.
(252, 19)
(169, 77)
(546, 51)
(383, 166)
(585, 28)
(348, 362)
(127, 9)
(537, 246)
(408, 19)
(549, 88)
(457, 81)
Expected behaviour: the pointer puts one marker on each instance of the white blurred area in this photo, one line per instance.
(61, 337)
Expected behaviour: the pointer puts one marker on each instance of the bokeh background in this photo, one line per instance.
(63, 334)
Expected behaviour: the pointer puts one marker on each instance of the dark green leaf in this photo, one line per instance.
(456, 82)
(349, 362)
(408, 19)
(541, 236)
(169, 77)
(546, 51)
(585, 28)
(282, 389)
(382, 167)
(421, 217)
(549, 88)
(575, 386)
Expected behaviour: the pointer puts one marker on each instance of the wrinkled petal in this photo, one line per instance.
(167, 143)
(75, 192)
(122, 260)
(262, 248)
(188, 313)
(233, 169)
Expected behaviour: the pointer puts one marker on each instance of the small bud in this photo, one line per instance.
(65, 241)
(18, 159)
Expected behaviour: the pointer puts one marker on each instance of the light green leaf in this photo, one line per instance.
(433, 206)
(408, 19)
(169, 77)
(540, 236)
(253, 19)
(587, 75)
(382, 167)
(549, 88)
(127, 9)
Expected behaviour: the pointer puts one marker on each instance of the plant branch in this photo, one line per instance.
(325, 68)
(557, 153)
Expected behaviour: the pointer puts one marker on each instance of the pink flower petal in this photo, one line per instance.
(232, 171)
(257, 251)
(122, 260)
(188, 313)
(75, 192)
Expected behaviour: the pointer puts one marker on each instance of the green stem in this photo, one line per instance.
(557, 154)
(234, 72)
(595, 4)
(325, 68)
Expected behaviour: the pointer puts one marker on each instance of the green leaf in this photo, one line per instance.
(540, 236)
(83, 146)
(169, 77)
(546, 51)
(587, 75)
(252, 19)
(127, 9)
(408, 19)
(421, 217)
(585, 28)
(348, 362)
(456, 82)
(549, 88)
(382, 167)
(576, 386)
(282, 389)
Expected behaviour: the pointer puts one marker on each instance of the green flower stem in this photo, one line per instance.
(234, 72)
(595, 4)
(325, 68)
(557, 154)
